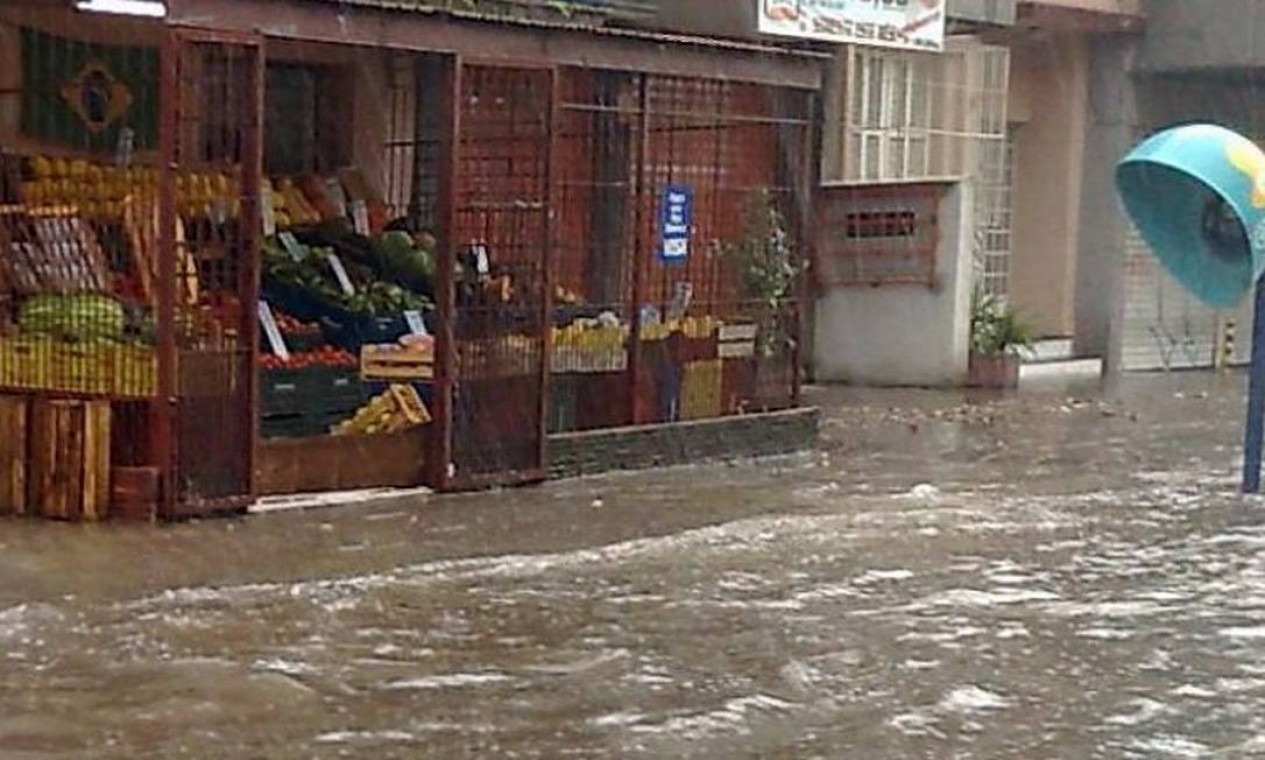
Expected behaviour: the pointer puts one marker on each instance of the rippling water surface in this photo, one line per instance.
(1041, 577)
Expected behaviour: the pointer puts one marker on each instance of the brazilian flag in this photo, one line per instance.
(81, 95)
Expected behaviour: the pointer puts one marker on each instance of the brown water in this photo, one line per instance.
(1033, 578)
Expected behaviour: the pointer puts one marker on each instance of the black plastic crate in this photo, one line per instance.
(281, 392)
(326, 389)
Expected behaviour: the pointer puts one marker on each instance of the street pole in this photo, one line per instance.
(1255, 398)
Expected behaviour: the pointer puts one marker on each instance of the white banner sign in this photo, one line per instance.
(903, 24)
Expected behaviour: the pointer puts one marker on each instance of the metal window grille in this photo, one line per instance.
(994, 211)
(914, 116)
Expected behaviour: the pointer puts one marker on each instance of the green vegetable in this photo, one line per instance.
(81, 317)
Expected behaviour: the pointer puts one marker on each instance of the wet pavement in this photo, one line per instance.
(1055, 575)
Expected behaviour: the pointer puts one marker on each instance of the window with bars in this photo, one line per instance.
(918, 116)
(994, 210)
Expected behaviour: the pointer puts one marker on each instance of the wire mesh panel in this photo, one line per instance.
(721, 206)
(79, 110)
(76, 291)
(501, 235)
(209, 280)
(596, 184)
(679, 204)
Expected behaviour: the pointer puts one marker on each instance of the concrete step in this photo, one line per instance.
(1049, 351)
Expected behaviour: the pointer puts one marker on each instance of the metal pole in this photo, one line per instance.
(1255, 398)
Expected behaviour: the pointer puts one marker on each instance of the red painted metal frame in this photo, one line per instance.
(439, 464)
(547, 275)
(175, 42)
(640, 244)
(164, 411)
(809, 173)
(448, 313)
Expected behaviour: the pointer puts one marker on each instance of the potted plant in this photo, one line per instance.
(998, 339)
(766, 263)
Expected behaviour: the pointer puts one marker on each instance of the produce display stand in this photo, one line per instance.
(409, 273)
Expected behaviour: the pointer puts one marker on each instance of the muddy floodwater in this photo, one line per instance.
(1057, 575)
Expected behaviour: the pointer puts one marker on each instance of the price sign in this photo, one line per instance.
(415, 323)
(291, 244)
(334, 189)
(682, 296)
(482, 261)
(360, 217)
(340, 272)
(266, 210)
(271, 331)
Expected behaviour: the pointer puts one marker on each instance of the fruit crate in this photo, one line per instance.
(702, 394)
(291, 426)
(350, 332)
(281, 392)
(328, 390)
(391, 363)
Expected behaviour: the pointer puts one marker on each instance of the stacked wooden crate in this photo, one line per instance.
(56, 461)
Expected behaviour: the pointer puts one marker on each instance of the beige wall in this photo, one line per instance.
(1116, 7)
(1049, 105)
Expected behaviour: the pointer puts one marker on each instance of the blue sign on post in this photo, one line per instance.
(676, 217)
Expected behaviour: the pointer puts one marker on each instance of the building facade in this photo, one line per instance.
(1191, 61)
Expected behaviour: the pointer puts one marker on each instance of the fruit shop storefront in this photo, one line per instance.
(327, 246)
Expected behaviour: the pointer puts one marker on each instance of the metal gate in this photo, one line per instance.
(501, 231)
(1164, 327)
(209, 235)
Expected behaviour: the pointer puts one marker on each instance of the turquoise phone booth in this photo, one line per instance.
(1197, 195)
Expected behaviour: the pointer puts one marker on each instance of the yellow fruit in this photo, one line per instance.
(59, 167)
(41, 167)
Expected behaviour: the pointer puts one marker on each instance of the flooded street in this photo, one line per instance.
(1038, 577)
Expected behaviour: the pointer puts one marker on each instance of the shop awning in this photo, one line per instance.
(415, 26)
(573, 11)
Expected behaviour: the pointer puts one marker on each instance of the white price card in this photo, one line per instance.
(291, 244)
(360, 217)
(268, 213)
(273, 333)
(334, 191)
(340, 272)
(415, 323)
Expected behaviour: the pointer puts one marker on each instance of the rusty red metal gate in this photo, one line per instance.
(209, 235)
(498, 299)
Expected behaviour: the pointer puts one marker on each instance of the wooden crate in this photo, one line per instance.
(134, 493)
(378, 363)
(13, 441)
(69, 466)
(701, 390)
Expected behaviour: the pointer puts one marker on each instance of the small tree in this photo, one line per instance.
(765, 257)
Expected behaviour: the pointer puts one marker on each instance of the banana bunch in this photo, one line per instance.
(290, 206)
(393, 411)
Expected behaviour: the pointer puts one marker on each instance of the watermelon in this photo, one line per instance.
(83, 317)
